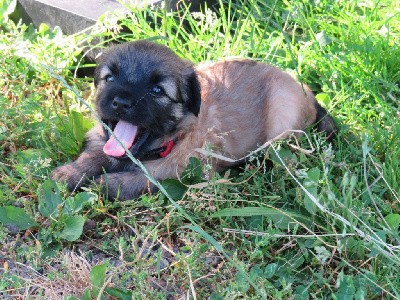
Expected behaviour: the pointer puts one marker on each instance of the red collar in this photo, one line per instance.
(160, 152)
(168, 148)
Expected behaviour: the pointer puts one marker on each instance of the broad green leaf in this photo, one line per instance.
(43, 27)
(68, 145)
(216, 296)
(361, 294)
(86, 295)
(49, 199)
(346, 290)
(393, 220)
(119, 293)
(324, 98)
(281, 219)
(79, 201)
(72, 132)
(73, 228)
(270, 270)
(51, 250)
(301, 293)
(284, 154)
(242, 282)
(322, 254)
(97, 278)
(289, 262)
(294, 261)
(314, 175)
(16, 216)
(256, 273)
(193, 172)
(311, 184)
(79, 125)
(174, 188)
(309, 204)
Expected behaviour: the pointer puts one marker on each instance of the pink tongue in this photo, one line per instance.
(125, 133)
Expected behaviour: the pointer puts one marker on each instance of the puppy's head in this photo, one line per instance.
(144, 91)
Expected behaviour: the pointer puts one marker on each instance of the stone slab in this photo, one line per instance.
(74, 16)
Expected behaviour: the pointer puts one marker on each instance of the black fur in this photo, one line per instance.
(194, 102)
(135, 69)
(325, 123)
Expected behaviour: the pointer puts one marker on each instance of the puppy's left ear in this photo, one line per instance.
(193, 93)
(96, 77)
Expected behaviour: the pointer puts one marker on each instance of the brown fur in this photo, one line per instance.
(243, 105)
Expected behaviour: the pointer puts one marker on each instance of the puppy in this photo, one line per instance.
(162, 108)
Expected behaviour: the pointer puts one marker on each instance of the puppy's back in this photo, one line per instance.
(248, 103)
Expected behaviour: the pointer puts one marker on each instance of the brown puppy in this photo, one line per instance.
(162, 108)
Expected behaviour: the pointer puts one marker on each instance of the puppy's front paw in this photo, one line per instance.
(70, 175)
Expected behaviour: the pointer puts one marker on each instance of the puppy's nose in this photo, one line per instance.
(120, 104)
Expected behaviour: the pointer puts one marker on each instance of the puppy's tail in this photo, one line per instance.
(325, 123)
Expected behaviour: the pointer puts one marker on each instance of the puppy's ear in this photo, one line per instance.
(96, 77)
(194, 95)
(96, 57)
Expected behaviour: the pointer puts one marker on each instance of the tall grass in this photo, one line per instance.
(322, 223)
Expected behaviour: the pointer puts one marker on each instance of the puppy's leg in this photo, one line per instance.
(77, 173)
(125, 185)
(89, 164)
(131, 184)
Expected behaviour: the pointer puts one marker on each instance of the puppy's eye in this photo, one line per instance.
(156, 90)
(109, 78)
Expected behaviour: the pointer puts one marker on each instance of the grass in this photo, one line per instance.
(321, 224)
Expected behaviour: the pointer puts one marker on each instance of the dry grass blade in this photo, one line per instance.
(74, 282)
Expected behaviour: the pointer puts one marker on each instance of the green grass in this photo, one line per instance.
(319, 225)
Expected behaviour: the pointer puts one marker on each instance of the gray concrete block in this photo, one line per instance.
(74, 16)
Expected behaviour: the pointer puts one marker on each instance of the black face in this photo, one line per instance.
(147, 85)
